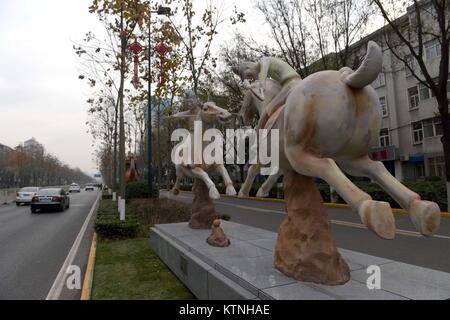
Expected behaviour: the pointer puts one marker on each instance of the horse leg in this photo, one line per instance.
(376, 215)
(247, 185)
(176, 186)
(226, 180)
(199, 173)
(264, 190)
(425, 215)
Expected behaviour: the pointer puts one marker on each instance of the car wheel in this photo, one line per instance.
(17, 203)
(33, 210)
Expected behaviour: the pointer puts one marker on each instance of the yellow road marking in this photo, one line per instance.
(89, 275)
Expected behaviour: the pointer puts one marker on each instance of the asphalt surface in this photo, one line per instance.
(33, 247)
(408, 246)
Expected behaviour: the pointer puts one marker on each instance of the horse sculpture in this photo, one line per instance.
(334, 117)
(328, 119)
(131, 173)
(208, 113)
(251, 104)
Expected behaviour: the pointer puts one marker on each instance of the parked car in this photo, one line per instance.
(74, 188)
(25, 195)
(50, 198)
(89, 187)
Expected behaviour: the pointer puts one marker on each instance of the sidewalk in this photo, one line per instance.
(7, 195)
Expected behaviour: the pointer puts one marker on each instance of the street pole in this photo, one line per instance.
(161, 11)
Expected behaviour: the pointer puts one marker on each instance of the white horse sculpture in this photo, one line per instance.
(334, 117)
(208, 113)
(251, 103)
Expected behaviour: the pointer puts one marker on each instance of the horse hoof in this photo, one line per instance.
(425, 215)
(378, 217)
(231, 191)
(214, 194)
(261, 194)
(242, 194)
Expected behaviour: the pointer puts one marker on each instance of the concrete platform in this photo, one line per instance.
(244, 270)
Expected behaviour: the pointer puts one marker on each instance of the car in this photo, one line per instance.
(74, 188)
(25, 195)
(89, 187)
(50, 198)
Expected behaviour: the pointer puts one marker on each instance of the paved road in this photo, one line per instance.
(33, 247)
(348, 232)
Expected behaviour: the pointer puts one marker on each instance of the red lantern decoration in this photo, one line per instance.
(162, 49)
(135, 48)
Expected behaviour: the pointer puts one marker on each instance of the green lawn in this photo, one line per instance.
(128, 269)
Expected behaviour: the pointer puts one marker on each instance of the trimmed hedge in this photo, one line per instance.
(430, 189)
(108, 224)
(140, 190)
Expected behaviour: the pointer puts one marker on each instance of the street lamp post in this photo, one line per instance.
(161, 11)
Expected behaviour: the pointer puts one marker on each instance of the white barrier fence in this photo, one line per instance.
(7, 195)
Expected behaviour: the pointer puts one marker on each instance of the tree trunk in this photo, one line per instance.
(121, 116)
(114, 182)
(445, 118)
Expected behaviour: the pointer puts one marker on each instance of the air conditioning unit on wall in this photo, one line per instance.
(404, 158)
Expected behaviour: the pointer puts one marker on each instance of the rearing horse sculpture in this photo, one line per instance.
(209, 112)
(333, 118)
(251, 104)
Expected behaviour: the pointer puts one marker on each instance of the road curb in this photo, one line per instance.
(89, 274)
(326, 204)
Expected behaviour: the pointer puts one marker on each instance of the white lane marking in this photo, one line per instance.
(58, 285)
(337, 222)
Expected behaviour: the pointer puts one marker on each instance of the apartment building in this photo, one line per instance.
(409, 142)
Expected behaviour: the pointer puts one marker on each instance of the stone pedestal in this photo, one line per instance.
(203, 212)
(305, 249)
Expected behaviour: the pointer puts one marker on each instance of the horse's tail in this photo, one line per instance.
(367, 71)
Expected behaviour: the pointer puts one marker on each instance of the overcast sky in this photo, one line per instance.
(40, 95)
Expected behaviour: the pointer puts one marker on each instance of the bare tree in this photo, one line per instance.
(316, 32)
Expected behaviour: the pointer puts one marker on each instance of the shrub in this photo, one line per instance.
(106, 196)
(154, 211)
(139, 190)
(225, 217)
(428, 190)
(108, 224)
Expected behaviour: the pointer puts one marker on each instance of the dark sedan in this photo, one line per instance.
(50, 198)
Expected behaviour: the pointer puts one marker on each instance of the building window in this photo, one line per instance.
(413, 94)
(417, 132)
(424, 92)
(385, 139)
(380, 80)
(432, 127)
(437, 167)
(432, 50)
(419, 170)
(411, 62)
(384, 107)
